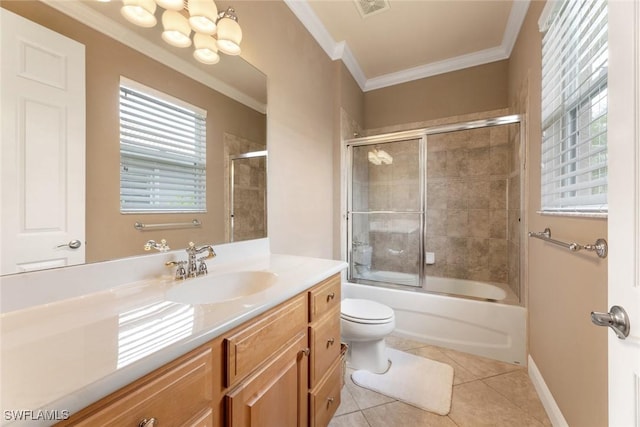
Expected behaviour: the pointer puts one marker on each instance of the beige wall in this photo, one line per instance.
(110, 234)
(467, 91)
(348, 120)
(300, 127)
(563, 288)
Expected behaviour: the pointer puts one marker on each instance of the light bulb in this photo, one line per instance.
(206, 50)
(176, 29)
(139, 12)
(203, 15)
(171, 4)
(229, 33)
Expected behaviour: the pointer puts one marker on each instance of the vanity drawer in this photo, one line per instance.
(325, 398)
(250, 347)
(325, 344)
(324, 297)
(182, 395)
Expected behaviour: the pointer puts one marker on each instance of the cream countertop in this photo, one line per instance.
(67, 354)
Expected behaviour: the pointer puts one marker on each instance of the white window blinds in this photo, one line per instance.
(574, 107)
(162, 152)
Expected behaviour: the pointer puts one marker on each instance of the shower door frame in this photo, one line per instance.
(423, 134)
(232, 159)
(419, 135)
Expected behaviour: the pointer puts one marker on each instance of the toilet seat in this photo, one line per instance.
(365, 311)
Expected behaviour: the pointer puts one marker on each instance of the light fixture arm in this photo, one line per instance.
(229, 13)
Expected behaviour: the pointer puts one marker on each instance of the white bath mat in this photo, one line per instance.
(420, 382)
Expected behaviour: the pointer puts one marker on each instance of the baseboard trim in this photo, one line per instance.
(549, 403)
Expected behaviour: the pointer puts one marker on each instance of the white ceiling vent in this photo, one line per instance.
(371, 7)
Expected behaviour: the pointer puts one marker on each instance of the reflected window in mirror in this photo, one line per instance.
(162, 152)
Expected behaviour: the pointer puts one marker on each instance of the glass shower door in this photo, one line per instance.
(248, 196)
(385, 212)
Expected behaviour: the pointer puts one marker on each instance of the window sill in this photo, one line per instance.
(601, 215)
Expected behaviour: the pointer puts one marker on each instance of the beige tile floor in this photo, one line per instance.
(485, 393)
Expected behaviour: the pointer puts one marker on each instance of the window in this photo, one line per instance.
(162, 152)
(574, 107)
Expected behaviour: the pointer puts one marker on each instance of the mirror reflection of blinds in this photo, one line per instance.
(149, 328)
(574, 108)
(162, 155)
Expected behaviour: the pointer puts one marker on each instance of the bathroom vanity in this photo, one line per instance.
(282, 368)
(272, 358)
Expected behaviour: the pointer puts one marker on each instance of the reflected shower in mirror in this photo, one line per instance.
(232, 92)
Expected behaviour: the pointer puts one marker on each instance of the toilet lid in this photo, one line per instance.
(365, 311)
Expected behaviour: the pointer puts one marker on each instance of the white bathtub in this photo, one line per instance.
(445, 285)
(485, 328)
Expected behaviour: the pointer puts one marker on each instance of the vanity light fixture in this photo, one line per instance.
(373, 158)
(171, 4)
(177, 30)
(206, 50)
(180, 17)
(139, 12)
(229, 32)
(203, 16)
(378, 157)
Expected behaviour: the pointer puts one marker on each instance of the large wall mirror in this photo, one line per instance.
(232, 92)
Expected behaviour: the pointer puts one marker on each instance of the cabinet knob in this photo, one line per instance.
(330, 341)
(151, 422)
(330, 401)
(306, 351)
(331, 296)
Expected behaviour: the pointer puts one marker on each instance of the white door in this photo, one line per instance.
(624, 208)
(42, 152)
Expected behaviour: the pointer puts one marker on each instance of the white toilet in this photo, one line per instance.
(364, 325)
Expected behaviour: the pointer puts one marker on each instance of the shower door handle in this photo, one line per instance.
(616, 319)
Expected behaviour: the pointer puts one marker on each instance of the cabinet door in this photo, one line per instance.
(250, 346)
(275, 395)
(181, 395)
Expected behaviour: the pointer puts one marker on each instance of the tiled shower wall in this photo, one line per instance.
(250, 190)
(473, 206)
(467, 206)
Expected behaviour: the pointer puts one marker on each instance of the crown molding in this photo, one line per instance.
(434, 68)
(340, 50)
(514, 24)
(124, 35)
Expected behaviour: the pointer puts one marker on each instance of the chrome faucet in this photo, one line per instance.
(194, 266)
(193, 269)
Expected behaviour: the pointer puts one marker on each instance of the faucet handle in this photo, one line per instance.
(181, 272)
(202, 266)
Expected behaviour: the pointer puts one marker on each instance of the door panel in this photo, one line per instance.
(43, 147)
(624, 209)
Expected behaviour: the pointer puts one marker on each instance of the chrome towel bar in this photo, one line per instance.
(600, 247)
(144, 227)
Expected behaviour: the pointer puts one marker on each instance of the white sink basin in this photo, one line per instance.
(224, 287)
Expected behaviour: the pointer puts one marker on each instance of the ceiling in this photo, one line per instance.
(409, 40)
(412, 39)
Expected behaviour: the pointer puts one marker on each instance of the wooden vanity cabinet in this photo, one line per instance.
(276, 394)
(267, 368)
(180, 393)
(280, 369)
(325, 372)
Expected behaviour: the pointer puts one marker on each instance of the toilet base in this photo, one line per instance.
(368, 355)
